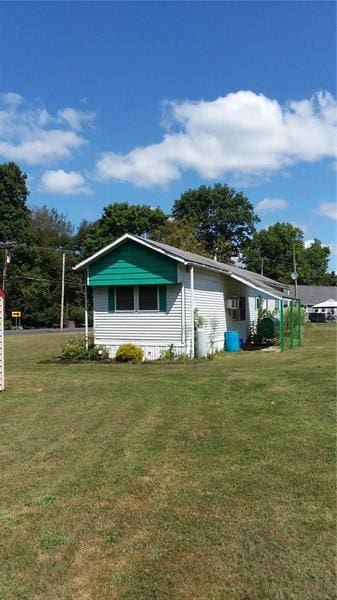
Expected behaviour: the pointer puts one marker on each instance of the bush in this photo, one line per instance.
(168, 353)
(98, 353)
(75, 350)
(129, 352)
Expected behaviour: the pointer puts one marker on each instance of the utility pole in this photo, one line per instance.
(62, 290)
(294, 275)
(7, 260)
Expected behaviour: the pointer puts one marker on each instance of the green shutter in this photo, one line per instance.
(111, 299)
(162, 298)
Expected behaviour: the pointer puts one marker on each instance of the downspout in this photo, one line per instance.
(183, 317)
(281, 326)
(192, 309)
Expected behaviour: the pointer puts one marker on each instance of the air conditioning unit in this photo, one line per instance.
(232, 303)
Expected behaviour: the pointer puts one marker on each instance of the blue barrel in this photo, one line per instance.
(232, 341)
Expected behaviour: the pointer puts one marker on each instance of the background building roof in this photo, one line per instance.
(313, 294)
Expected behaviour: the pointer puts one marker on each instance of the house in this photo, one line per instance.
(2, 350)
(311, 295)
(146, 292)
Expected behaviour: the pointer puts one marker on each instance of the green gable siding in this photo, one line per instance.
(132, 264)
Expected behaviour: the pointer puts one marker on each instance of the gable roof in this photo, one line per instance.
(330, 303)
(312, 294)
(258, 282)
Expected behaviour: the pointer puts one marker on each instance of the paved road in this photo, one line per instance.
(25, 331)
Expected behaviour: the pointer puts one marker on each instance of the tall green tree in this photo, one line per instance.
(179, 233)
(14, 213)
(224, 218)
(273, 248)
(315, 264)
(118, 219)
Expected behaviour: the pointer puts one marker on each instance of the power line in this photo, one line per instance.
(28, 277)
(36, 247)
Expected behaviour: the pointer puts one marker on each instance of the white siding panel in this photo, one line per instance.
(154, 331)
(237, 289)
(209, 290)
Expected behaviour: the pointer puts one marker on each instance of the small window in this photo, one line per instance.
(242, 308)
(239, 314)
(125, 298)
(148, 297)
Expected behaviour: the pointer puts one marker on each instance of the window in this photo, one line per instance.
(148, 297)
(137, 298)
(239, 314)
(125, 298)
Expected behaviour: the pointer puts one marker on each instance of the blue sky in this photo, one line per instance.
(106, 102)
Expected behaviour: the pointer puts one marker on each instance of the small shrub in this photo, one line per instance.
(75, 350)
(129, 352)
(168, 353)
(98, 353)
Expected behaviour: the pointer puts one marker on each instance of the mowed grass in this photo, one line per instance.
(204, 480)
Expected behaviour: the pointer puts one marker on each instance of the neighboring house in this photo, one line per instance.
(2, 339)
(146, 292)
(311, 295)
(328, 307)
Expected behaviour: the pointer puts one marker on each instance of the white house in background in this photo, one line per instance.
(146, 292)
(329, 307)
(312, 295)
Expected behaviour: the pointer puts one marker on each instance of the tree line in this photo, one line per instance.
(214, 221)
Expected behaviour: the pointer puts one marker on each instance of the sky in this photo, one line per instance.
(105, 102)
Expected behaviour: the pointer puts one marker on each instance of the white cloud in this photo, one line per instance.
(12, 98)
(304, 228)
(76, 118)
(271, 204)
(30, 134)
(308, 243)
(333, 248)
(242, 133)
(61, 182)
(328, 209)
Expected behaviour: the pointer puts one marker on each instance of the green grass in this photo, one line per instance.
(202, 480)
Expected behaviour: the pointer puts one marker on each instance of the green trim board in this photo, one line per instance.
(132, 264)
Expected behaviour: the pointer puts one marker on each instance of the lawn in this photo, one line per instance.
(204, 480)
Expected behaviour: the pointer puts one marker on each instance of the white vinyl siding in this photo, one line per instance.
(209, 289)
(237, 289)
(152, 330)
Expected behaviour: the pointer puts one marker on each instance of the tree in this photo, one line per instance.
(118, 219)
(14, 213)
(224, 219)
(274, 246)
(180, 233)
(315, 264)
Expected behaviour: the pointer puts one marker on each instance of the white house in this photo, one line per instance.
(328, 307)
(146, 292)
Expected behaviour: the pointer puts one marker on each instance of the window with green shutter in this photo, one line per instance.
(111, 299)
(162, 298)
